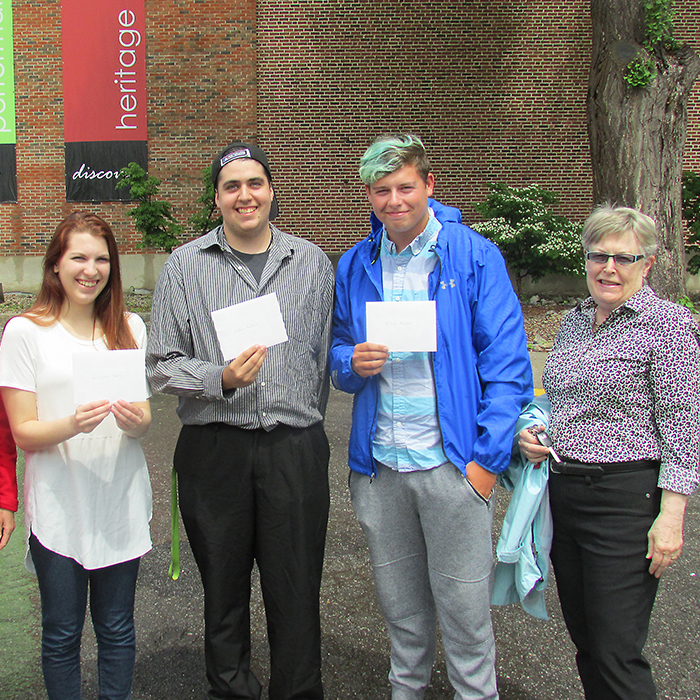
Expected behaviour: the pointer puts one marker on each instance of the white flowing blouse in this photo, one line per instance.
(88, 498)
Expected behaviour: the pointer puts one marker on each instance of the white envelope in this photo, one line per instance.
(403, 326)
(255, 322)
(111, 375)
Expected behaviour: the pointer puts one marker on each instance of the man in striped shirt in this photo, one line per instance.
(431, 430)
(252, 456)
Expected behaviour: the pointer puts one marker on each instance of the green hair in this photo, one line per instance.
(389, 153)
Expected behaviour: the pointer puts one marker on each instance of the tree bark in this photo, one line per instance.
(637, 135)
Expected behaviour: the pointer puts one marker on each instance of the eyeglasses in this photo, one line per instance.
(619, 258)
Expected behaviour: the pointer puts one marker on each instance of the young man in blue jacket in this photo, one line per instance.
(430, 431)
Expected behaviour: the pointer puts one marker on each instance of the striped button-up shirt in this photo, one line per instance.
(408, 436)
(184, 356)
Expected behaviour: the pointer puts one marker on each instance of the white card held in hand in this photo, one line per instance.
(255, 322)
(403, 326)
(111, 375)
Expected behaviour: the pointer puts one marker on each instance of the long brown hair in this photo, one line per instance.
(109, 305)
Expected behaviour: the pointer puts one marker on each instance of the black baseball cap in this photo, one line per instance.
(237, 150)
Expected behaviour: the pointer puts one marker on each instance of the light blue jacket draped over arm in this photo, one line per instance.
(522, 569)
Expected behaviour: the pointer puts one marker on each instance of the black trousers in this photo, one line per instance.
(605, 588)
(250, 495)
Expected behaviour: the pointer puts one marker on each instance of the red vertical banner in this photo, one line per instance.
(104, 95)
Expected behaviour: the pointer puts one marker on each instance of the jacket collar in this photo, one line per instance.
(444, 214)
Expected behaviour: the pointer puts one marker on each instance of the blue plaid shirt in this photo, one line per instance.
(408, 435)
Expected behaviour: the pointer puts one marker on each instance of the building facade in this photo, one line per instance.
(496, 89)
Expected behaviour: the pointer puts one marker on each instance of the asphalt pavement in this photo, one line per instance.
(535, 657)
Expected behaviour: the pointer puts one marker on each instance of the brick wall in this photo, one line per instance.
(496, 89)
(202, 92)
(496, 96)
(687, 29)
(201, 82)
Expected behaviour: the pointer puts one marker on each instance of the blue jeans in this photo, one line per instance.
(63, 584)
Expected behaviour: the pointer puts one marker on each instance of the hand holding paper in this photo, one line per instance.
(368, 359)
(131, 418)
(254, 322)
(244, 368)
(89, 415)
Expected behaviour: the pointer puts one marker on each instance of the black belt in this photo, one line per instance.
(573, 468)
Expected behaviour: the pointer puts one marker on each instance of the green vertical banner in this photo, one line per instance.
(8, 134)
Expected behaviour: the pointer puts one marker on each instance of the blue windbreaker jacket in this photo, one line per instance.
(482, 371)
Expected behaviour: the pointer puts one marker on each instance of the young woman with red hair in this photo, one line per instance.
(87, 495)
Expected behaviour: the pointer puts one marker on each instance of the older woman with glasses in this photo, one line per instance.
(623, 379)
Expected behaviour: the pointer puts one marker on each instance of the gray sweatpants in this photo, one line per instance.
(429, 536)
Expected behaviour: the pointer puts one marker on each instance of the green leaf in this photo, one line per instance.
(153, 218)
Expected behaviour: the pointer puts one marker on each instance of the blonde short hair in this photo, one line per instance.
(607, 220)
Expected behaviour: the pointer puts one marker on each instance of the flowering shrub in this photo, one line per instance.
(533, 240)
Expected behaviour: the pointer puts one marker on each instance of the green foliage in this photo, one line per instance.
(640, 72)
(138, 302)
(685, 301)
(154, 218)
(533, 240)
(202, 221)
(16, 303)
(658, 16)
(690, 192)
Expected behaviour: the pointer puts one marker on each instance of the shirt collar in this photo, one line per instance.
(217, 238)
(416, 246)
(637, 303)
(640, 301)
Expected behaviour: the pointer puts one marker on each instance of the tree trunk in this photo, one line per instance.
(637, 135)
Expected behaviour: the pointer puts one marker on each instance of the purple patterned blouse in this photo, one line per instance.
(631, 390)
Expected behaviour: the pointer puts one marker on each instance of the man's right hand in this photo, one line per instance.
(243, 370)
(368, 359)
